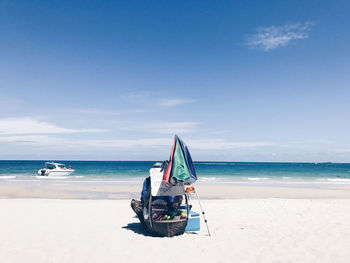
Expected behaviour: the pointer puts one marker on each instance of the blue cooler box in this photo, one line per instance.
(193, 223)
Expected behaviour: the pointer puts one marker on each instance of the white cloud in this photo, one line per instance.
(32, 139)
(176, 127)
(26, 125)
(210, 144)
(148, 98)
(219, 144)
(164, 127)
(271, 37)
(170, 102)
(52, 141)
(167, 142)
(93, 111)
(127, 143)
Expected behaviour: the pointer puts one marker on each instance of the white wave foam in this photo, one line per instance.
(8, 176)
(257, 178)
(52, 177)
(209, 178)
(338, 179)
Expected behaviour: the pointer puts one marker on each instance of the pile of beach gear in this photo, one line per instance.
(166, 210)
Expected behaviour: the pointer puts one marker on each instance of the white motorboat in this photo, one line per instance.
(55, 169)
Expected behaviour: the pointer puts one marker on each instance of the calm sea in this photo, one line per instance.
(206, 171)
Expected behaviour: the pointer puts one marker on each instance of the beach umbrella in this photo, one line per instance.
(181, 167)
(180, 163)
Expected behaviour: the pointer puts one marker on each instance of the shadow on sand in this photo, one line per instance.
(137, 228)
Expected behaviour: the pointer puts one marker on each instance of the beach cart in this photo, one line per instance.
(162, 218)
(166, 210)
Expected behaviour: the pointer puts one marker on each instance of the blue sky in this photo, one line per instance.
(115, 80)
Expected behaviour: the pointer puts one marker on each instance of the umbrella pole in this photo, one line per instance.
(200, 205)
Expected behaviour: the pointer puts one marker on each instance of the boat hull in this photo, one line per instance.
(60, 173)
(52, 173)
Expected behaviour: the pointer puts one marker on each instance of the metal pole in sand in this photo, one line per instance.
(205, 220)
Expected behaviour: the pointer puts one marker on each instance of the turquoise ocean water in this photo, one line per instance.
(220, 172)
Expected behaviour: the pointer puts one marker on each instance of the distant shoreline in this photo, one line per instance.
(198, 161)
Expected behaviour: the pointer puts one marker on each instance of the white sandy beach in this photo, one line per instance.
(243, 104)
(243, 230)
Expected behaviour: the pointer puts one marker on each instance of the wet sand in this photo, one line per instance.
(126, 190)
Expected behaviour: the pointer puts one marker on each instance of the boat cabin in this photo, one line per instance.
(52, 166)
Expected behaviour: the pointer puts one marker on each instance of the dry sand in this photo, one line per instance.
(243, 230)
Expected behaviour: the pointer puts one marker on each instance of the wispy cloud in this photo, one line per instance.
(163, 127)
(26, 125)
(102, 112)
(93, 111)
(145, 97)
(40, 140)
(220, 144)
(52, 141)
(177, 127)
(272, 37)
(170, 102)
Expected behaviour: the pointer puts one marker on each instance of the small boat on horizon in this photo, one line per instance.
(55, 169)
